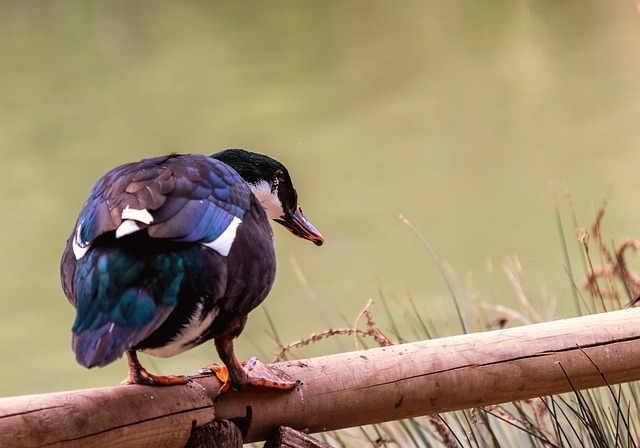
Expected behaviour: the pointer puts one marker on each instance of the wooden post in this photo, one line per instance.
(345, 390)
(220, 434)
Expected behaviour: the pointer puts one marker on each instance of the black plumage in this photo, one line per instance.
(170, 252)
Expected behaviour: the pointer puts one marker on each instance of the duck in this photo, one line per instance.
(171, 252)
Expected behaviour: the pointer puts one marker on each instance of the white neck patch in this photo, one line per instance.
(269, 200)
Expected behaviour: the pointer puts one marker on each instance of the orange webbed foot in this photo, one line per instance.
(260, 376)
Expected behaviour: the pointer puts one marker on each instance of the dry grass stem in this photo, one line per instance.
(443, 431)
(371, 330)
(513, 271)
(601, 279)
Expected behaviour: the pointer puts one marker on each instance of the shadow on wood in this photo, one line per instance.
(344, 390)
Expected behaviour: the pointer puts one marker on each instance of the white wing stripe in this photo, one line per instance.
(223, 243)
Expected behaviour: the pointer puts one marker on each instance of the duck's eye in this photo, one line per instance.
(280, 176)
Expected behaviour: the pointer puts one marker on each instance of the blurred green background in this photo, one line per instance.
(453, 113)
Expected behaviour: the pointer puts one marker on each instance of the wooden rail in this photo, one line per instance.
(344, 390)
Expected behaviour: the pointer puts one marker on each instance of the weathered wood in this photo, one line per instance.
(447, 374)
(290, 438)
(122, 416)
(344, 390)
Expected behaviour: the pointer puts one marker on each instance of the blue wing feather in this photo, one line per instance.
(201, 189)
(208, 229)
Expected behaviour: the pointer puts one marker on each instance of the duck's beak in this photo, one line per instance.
(296, 223)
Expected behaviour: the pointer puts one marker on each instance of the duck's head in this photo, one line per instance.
(271, 184)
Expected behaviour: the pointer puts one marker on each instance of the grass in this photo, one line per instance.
(603, 417)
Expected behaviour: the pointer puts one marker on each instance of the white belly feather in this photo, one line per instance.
(188, 335)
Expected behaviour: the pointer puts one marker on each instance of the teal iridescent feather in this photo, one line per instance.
(124, 291)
